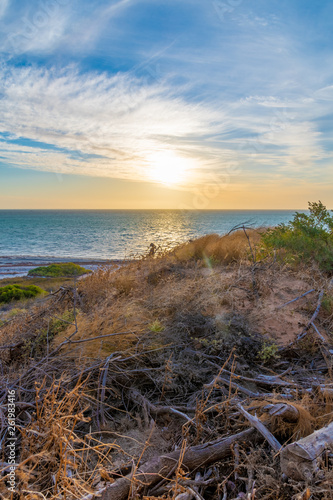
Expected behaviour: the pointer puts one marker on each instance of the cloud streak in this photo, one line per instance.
(97, 90)
(117, 118)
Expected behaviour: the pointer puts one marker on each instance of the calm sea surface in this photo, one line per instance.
(33, 237)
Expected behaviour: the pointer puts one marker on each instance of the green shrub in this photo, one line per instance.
(268, 352)
(17, 292)
(59, 270)
(308, 237)
(156, 326)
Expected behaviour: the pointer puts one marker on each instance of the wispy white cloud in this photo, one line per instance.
(241, 91)
(57, 25)
(110, 125)
(3, 7)
(116, 118)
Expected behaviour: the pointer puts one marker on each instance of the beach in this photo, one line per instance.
(17, 267)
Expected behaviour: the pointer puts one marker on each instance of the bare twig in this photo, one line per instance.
(261, 428)
(297, 298)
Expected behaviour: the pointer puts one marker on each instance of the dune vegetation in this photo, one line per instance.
(10, 293)
(193, 374)
(64, 269)
(307, 238)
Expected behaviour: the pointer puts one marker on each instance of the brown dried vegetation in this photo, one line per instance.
(134, 364)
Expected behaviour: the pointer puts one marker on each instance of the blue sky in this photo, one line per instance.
(187, 103)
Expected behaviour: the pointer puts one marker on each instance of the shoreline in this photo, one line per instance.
(19, 266)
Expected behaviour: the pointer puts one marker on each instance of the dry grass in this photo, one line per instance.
(55, 458)
(219, 249)
(166, 327)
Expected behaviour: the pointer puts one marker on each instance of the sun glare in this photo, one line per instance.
(168, 168)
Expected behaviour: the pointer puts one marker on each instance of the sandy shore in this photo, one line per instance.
(13, 266)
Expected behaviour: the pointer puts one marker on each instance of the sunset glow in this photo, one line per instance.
(169, 169)
(112, 94)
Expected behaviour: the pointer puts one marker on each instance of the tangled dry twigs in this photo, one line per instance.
(126, 390)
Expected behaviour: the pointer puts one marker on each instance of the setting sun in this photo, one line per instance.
(168, 168)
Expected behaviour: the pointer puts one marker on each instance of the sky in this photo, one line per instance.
(198, 104)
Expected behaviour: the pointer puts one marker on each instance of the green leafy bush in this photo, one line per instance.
(308, 237)
(59, 270)
(17, 292)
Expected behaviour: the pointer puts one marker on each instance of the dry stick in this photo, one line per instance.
(247, 392)
(233, 385)
(156, 410)
(225, 492)
(101, 337)
(317, 332)
(240, 226)
(212, 384)
(101, 390)
(261, 379)
(315, 314)
(158, 467)
(236, 460)
(261, 428)
(248, 239)
(284, 410)
(254, 282)
(297, 298)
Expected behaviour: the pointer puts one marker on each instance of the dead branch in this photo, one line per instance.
(261, 428)
(158, 467)
(300, 460)
(314, 316)
(297, 298)
(286, 411)
(233, 385)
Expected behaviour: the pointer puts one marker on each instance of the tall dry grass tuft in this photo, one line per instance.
(220, 249)
(56, 460)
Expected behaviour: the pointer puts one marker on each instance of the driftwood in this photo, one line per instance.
(286, 411)
(260, 428)
(159, 467)
(300, 460)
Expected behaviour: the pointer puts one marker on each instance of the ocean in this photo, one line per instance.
(35, 237)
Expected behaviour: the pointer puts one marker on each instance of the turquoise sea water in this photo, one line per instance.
(32, 237)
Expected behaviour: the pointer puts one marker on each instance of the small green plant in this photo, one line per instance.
(9, 293)
(268, 352)
(308, 237)
(59, 270)
(212, 344)
(156, 327)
